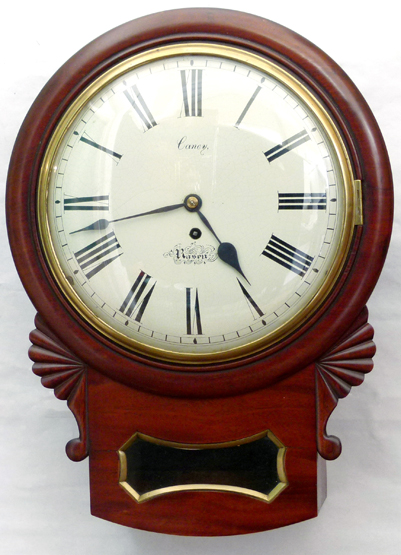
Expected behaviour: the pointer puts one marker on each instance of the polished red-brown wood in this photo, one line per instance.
(296, 409)
(368, 156)
(291, 387)
(342, 367)
(60, 370)
(204, 421)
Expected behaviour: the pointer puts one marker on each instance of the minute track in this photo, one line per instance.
(222, 292)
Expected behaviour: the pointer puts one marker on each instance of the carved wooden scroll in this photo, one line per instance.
(62, 371)
(341, 368)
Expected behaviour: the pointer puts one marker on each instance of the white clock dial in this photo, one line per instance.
(196, 206)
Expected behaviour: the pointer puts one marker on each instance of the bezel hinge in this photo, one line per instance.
(358, 214)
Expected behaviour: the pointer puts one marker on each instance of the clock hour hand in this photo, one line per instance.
(226, 251)
(103, 224)
(228, 254)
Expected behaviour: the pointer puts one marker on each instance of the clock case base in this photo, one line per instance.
(294, 409)
(205, 421)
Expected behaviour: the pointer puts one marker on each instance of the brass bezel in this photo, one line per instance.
(283, 483)
(351, 215)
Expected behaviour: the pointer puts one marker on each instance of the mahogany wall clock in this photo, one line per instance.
(199, 206)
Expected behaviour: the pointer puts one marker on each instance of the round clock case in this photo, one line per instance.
(210, 152)
(213, 130)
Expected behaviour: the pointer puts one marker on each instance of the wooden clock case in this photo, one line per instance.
(290, 388)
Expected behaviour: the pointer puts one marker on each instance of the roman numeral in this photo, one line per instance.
(137, 102)
(192, 92)
(302, 201)
(249, 104)
(253, 307)
(288, 256)
(87, 203)
(87, 140)
(96, 255)
(287, 145)
(138, 297)
(194, 324)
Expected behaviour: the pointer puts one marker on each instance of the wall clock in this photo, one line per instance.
(199, 205)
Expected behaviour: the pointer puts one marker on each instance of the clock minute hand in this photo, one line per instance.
(226, 251)
(103, 223)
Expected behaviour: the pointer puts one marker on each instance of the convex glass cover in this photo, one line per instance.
(196, 203)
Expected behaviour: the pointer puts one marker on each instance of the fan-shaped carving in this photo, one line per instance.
(341, 368)
(60, 370)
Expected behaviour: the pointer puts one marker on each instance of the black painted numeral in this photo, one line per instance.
(87, 140)
(287, 145)
(302, 201)
(191, 82)
(248, 105)
(136, 100)
(253, 307)
(194, 324)
(138, 296)
(96, 256)
(100, 202)
(288, 256)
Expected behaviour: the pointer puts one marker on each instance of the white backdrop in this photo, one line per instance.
(44, 497)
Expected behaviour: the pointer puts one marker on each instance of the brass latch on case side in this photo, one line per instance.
(358, 217)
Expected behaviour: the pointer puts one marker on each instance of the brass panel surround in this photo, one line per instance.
(140, 498)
